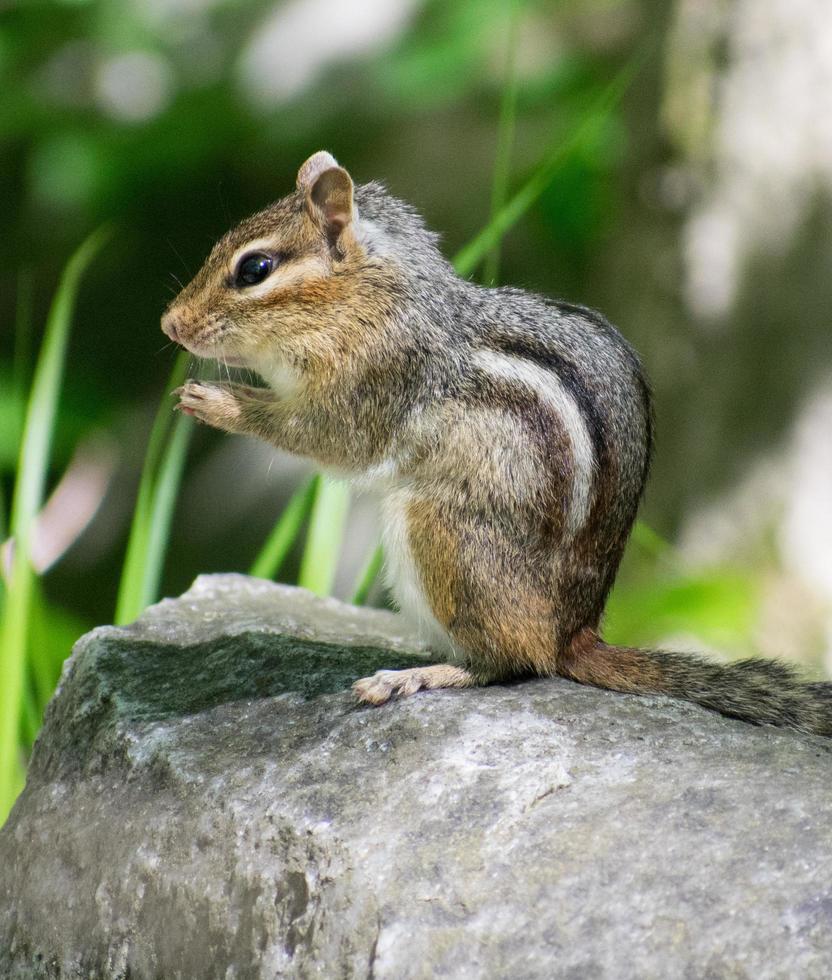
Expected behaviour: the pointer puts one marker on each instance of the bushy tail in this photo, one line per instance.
(764, 692)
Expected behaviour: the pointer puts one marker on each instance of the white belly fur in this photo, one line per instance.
(403, 576)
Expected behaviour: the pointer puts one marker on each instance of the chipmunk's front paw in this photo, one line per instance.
(212, 404)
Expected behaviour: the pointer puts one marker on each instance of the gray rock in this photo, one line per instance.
(206, 800)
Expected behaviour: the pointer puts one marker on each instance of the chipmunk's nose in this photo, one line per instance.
(171, 326)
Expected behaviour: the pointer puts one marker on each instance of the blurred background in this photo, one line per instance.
(695, 212)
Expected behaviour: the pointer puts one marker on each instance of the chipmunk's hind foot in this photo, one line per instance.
(385, 685)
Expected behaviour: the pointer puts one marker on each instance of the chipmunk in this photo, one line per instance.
(508, 435)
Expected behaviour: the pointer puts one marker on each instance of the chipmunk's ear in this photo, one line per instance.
(328, 189)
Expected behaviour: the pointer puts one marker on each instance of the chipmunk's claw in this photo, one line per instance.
(209, 403)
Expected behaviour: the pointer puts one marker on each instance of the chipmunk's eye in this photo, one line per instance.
(253, 268)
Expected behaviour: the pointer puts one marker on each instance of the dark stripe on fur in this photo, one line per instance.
(528, 349)
(604, 325)
(543, 424)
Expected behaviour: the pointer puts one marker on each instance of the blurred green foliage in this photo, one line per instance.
(28, 668)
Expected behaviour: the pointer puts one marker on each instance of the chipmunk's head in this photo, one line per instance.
(280, 273)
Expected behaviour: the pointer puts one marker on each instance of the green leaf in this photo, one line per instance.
(505, 139)
(165, 493)
(326, 531)
(52, 633)
(32, 470)
(30, 719)
(650, 541)
(368, 576)
(161, 476)
(2, 512)
(718, 606)
(23, 333)
(468, 258)
(445, 58)
(277, 546)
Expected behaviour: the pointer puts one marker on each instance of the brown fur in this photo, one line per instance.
(494, 607)
(590, 661)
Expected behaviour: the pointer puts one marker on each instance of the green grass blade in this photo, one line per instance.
(161, 514)
(43, 670)
(20, 362)
(28, 496)
(43, 398)
(3, 525)
(651, 541)
(719, 605)
(505, 139)
(136, 577)
(23, 332)
(52, 633)
(368, 576)
(326, 531)
(30, 719)
(469, 257)
(294, 516)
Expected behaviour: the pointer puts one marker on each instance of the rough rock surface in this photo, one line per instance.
(206, 800)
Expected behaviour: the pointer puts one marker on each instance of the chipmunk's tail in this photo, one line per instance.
(764, 692)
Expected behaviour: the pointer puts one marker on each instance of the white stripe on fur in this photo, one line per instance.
(552, 390)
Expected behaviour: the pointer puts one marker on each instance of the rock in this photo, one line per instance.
(207, 800)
